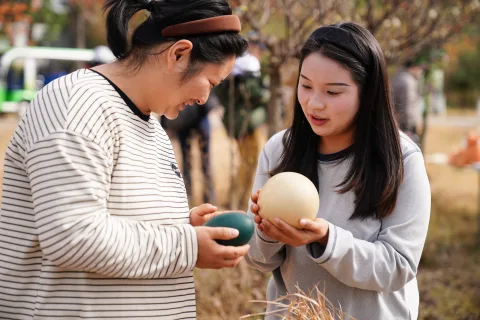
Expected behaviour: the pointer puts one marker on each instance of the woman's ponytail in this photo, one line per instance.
(119, 14)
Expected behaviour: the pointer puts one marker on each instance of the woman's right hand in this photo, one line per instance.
(254, 208)
(212, 255)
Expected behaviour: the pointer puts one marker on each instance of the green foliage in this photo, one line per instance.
(56, 22)
(466, 77)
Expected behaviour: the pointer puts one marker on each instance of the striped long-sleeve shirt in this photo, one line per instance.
(94, 221)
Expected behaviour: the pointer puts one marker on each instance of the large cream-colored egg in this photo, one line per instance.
(289, 196)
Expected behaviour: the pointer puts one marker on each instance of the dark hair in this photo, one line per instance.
(207, 48)
(408, 63)
(377, 165)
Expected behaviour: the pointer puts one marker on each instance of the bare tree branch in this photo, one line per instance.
(403, 27)
(369, 15)
(386, 15)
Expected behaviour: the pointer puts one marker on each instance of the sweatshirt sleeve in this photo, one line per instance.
(265, 254)
(391, 261)
(70, 178)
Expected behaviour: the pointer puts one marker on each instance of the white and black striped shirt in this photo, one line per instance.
(94, 220)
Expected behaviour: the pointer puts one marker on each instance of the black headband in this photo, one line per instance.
(338, 37)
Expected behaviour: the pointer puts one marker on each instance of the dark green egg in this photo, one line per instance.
(236, 220)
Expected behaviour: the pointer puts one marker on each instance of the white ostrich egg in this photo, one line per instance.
(289, 196)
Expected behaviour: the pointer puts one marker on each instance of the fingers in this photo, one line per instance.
(212, 255)
(233, 253)
(205, 208)
(254, 208)
(257, 219)
(232, 263)
(209, 216)
(228, 263)
(255, 196)
(218, 233)
(286, 228)
(310, 225)
(230, 257)
(271, 230)
(230, 211)
(318, 226)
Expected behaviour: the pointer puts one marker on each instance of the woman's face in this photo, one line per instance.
(329, 96)
(180, 93)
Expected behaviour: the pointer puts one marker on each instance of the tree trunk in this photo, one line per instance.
(425, 115)
(231, 130)
(276, 104)
(81, 37)
(80, 30)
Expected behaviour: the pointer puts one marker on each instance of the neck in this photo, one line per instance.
(334, 144)
(132, 83)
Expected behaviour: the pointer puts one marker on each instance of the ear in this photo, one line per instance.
(178, 55)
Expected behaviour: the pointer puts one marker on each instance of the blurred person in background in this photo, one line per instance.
(101, 55)
(250, 113)
(408, 98)
(194, 120)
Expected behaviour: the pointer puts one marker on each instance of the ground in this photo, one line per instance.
(449, 276)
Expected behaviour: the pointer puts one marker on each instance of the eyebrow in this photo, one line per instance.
(329, 84)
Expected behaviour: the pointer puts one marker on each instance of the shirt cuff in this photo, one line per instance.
(321, 253)
(189, 229)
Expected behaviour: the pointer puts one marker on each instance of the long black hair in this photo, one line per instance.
(376, 171)
(207, 48)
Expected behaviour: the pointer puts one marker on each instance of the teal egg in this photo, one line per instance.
(236, 220)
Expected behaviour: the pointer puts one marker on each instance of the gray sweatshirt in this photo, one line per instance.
(367, 267)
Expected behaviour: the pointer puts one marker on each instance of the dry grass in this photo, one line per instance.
(457, 186)
(228, 293)
(449, 276)
(304, 306)
(462, 112)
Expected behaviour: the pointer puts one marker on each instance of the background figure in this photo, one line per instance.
(101, 55)
(407, 98)
(194, 119)
(438, 103)
(250, 113)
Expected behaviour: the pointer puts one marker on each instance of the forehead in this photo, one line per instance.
(317, 67)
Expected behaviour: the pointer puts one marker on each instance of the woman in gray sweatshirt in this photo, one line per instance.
(365, 245)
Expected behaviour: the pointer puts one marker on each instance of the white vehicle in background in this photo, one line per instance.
(16, 94)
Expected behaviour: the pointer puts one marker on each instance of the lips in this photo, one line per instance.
(184, 105)
(318, 121)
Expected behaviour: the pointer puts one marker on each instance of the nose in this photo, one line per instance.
(316, 102)
(202, 100)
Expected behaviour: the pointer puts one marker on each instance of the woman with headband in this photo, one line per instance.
(94, 219)
(365, 245)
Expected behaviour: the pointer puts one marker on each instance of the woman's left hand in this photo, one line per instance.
(312, 231)
(201, 214)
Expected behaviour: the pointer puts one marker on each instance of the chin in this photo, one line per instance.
(171, 115)
(321, 131)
